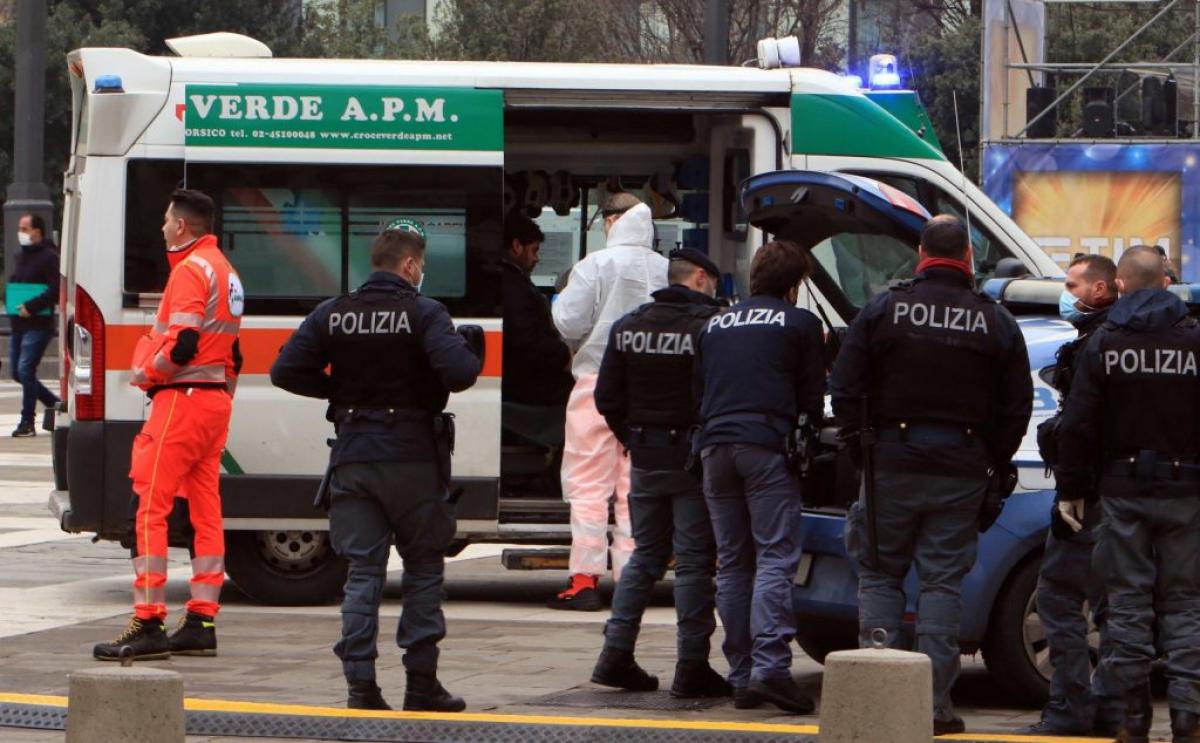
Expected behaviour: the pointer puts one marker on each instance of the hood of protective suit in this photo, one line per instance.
(634, 228)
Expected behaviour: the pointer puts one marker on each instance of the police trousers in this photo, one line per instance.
(755, 504)
(668, 512)
(370, 505)
(930, 521)
(1066, 582)
(1148, 551)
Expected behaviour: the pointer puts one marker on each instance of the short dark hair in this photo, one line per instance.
(945, 236)
(1097, 267)
(680, 270)
(195, 208)
(778, 267)
(37, 223)
(1141, 267)
(393, 246)
(522, 229)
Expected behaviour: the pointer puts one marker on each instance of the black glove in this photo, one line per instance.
(1000, 485)
(474, 336)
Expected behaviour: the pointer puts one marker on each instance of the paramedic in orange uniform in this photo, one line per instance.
(188, 366)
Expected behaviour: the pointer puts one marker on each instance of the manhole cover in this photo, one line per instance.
(583, 696)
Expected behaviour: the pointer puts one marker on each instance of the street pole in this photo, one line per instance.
(852, 40)
(716, 32)
(28, 193)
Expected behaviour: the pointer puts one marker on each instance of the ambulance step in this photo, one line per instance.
(535, 559)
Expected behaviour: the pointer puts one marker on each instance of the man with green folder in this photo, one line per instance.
(30, 297)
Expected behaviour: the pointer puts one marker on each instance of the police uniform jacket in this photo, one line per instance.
(387, 360)
(758, 367)
(945, 373)
(1067, 356)
(1133, 415)
(644, 390)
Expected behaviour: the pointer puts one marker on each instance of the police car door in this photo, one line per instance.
(861, 234)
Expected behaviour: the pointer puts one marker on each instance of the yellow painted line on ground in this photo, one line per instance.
(300, 710)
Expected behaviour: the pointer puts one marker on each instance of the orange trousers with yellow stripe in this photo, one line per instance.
(178, 454)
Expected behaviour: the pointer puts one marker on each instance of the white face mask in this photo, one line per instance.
(24, 238)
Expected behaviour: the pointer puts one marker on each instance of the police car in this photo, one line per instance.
(863, 233)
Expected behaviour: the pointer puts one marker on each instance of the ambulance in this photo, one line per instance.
(308, 159)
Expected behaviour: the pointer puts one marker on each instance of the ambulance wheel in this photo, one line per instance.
(1015, 650)
(285, 568)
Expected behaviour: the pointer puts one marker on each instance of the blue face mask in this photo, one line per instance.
(1067, 309)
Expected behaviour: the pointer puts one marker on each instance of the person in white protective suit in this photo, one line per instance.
(603, 287)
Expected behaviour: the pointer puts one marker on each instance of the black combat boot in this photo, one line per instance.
(784, 694)
(1139, 714)
(425, 694)
(195, 635)
(1185, 726)
(618, 669)
(365, 695)
(146, 639)
(695, 679)
(744, 698)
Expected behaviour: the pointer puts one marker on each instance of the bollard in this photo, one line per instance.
(128, 704)
(877, 694)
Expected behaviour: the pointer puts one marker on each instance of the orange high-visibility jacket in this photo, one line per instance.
(194, 339)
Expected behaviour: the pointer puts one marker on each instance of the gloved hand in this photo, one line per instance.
(474, 336)
(1071, 512)
(1001, 484)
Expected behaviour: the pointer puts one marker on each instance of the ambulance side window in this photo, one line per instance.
(988, 250)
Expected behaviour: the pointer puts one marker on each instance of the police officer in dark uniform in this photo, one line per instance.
(387, 358)
(1132, 419)
(1079, 702)
(944, 373)
(644, 392)
(760, 368)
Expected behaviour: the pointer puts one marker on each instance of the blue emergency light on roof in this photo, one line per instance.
(884, 72)
(108, 84)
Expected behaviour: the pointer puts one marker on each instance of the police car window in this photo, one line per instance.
(862, 265)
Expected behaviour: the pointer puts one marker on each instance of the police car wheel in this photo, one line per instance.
(1015, 647)
(285, 568)
(820, 637)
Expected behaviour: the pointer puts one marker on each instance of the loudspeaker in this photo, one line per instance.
(1171, 101)
(1154, 106)
(1036, 101)
(1099, 118)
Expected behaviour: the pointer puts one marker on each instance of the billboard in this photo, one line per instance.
(1101, 198)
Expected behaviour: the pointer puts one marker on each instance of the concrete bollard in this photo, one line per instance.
(131, 705)
(876, 695)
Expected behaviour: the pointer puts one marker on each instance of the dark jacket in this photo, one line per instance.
(37, 264)
(759, 366)
(958, 366)
(536, 360)
(1066, 358)
(644, 388)
(443, 363)
(1135, 395)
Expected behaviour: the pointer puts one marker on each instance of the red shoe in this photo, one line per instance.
(582, 594)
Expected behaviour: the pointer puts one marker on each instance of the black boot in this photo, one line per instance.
(365, 695)
(1139, 714)
(146, 639)
(425, 694)
(744, 698)
(952, 725)
(618, 669)
(195, 635)
(695, 679)
(784, 694)
(1185, 726)
(24, 430)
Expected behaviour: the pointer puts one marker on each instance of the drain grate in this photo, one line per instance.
(658, 701)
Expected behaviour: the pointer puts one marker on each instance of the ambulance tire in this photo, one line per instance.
(285, 568)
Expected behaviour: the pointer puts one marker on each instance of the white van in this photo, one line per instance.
(308, 159)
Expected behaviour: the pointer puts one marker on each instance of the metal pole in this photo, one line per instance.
(1098, 66)
(716, 32)
(28, 193)
(852, 39)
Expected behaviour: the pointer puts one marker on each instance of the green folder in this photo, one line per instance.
(19, 293)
